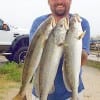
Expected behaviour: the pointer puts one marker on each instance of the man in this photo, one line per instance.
(59, 9)
(5, 27)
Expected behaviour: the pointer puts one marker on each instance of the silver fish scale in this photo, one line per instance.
(72, 56)
(50, 58)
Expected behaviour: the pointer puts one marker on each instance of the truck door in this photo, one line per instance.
(6, 37)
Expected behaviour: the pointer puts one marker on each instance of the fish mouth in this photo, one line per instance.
(66, 24)
(53, 22)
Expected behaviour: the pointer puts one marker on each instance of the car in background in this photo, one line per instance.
(14, 42)
(94, 45)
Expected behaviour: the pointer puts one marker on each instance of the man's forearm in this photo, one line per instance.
(84, 57)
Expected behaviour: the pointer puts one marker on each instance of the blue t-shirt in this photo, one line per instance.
(61, 92)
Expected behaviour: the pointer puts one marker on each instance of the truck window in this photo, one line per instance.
(5, 27)
(1, 23)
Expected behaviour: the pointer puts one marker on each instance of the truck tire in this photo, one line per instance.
(9, 57)
(20, 54)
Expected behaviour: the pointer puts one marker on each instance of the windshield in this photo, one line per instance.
(1, 23)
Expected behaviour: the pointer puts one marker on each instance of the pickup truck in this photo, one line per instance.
(13, 42)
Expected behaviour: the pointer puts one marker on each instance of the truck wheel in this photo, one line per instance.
(9, 57)
(20, 54)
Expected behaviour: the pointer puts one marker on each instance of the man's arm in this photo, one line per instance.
(85, 42)
(84, 57)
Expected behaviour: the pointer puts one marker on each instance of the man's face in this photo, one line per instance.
(59, 7)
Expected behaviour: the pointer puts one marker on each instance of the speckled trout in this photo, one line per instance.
(34, 53)
(72, 55)
(50, 59)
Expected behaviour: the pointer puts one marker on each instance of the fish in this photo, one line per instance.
(34, 53)
(50, 59)
(72, 55)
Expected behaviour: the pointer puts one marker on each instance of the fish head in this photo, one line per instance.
(75, 26)
(53, 22)
(63, 24)
(60, 30)
(75, 21)
(50, 23)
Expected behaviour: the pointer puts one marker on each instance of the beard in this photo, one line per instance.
(60, 9)
(60, 12)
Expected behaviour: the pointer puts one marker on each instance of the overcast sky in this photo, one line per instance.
(21, 13)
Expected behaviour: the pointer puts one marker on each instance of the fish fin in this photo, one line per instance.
(25, 98)
(19, 97)
(52, 89)
(36, 83)
(31, 81)
(63, 44)
(44, 43)
(81, 35)
(65, 79)
(60, 44)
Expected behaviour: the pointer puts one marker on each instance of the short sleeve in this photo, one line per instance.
(86, 38)
(35, 25)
